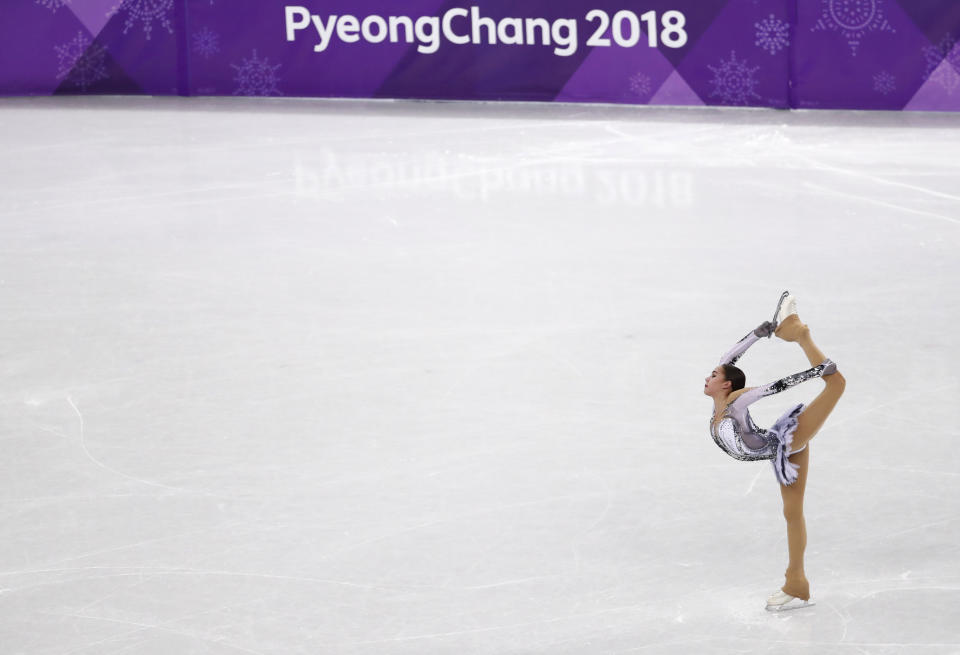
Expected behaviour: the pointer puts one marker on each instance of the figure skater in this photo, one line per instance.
(787, 443)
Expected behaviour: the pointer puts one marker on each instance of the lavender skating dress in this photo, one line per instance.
(738, 436)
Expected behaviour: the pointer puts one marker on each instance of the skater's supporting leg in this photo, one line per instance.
(796, 581)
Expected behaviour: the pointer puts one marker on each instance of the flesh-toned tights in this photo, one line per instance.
(809, 423)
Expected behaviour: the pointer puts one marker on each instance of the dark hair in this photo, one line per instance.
(734, 376)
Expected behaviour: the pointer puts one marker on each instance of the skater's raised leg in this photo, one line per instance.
(790, 328)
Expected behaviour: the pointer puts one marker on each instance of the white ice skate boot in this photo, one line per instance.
(787, 307)
(782, 602)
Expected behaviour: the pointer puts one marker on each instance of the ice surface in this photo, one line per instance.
(297, 377)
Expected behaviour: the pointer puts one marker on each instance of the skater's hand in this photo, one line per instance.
(765, 329)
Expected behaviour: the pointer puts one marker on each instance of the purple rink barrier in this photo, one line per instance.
(90, 46)
(673, 52)
(877, 54)
(851, 54)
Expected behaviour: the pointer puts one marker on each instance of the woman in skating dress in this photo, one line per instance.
(787, 442)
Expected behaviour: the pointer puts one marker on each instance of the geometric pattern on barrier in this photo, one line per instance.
(88, 47)
(849, 54)
(881, 54)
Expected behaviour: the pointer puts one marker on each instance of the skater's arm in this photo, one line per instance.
(754, 394)
(732, 355)
(762, 330)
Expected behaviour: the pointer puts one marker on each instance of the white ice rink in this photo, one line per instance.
(308, 377)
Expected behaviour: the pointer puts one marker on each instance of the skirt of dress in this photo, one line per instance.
(782, 431)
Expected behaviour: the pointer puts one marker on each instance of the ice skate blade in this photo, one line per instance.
(776, 313)
(794, 604)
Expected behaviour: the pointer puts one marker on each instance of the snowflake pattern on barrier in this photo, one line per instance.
(884, 82)
(773, 34)
(81, 62)
(256, 77)
(943, 64)
(640, 85)
(206, 42)
(146, 11)
(734, 82)
(853, 19)
(52, 5)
